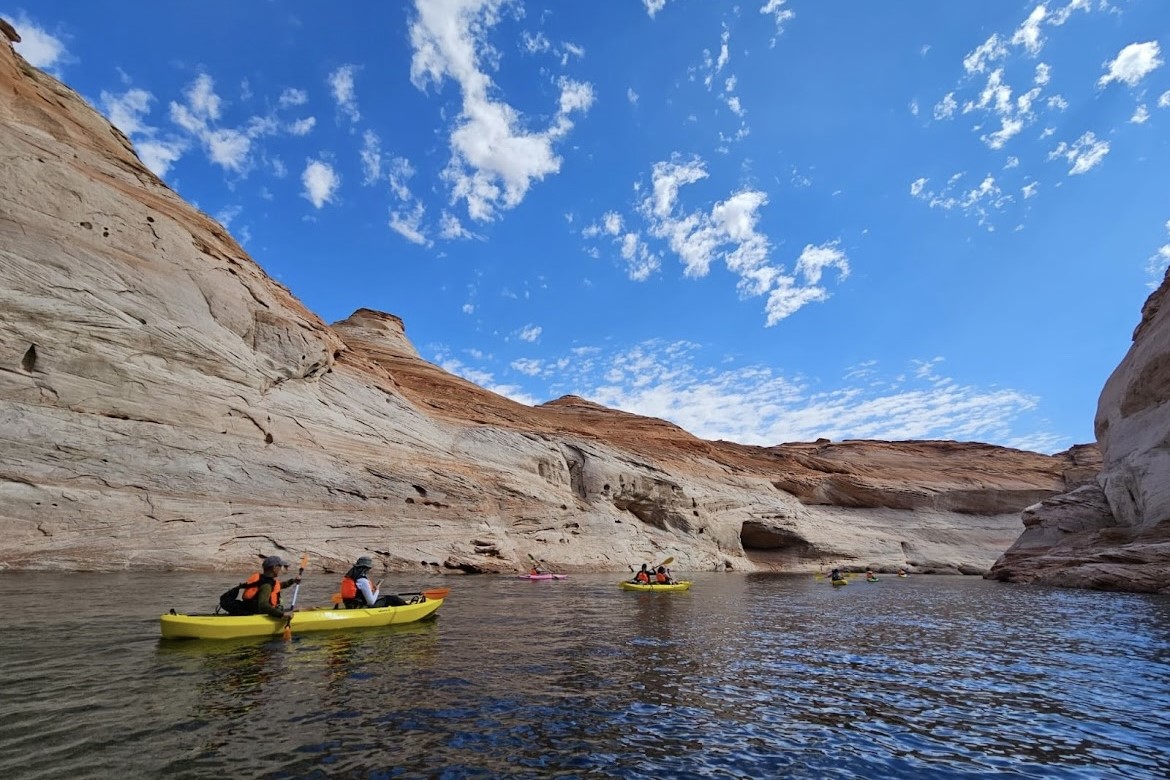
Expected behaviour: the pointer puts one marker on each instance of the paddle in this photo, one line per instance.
(537, 564)
(433, 594)
(653, 569)
(296, 591)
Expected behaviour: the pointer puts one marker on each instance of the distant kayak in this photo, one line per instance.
(543, 576)
(674, 586)
(839, 582)
(872, 579)
(319, 619)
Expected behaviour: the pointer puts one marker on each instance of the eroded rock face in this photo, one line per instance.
(164, 403)
(1116, 534)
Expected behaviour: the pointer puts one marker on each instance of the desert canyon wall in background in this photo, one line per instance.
(164, 403)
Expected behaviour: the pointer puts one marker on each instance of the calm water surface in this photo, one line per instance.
(742, 677)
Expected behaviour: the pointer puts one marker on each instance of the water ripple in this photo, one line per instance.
(742, 677)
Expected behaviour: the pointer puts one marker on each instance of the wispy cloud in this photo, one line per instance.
(1085, 154)
(39, 47)
(341, 86)
(728, 231)
(753, 404)
(494, 157)
(779, 13)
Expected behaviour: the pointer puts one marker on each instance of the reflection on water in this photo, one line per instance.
(743, 676)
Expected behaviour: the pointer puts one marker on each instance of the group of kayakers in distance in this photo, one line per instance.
(648, 576)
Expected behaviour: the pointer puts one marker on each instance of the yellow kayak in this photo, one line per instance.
(839, 582)
(674, 586)
(319, 619)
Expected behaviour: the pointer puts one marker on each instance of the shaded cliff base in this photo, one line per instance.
(1074, 540)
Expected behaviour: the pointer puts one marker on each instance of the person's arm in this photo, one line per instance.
(369, 594)
(290, 582)
(263, 596)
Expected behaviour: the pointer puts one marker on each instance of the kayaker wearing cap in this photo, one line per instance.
(356, 591)
(261, 593)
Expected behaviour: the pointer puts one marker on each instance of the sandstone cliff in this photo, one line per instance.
(164, 403)
(1113, 533)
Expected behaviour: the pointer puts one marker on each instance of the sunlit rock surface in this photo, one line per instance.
(164, 403)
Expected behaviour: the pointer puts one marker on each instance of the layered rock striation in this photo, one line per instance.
(164, 403)
(1113, 533)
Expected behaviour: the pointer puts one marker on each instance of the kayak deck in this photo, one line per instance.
(319, 619)
(674, 586)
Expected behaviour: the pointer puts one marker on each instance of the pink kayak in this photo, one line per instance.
(543, 576)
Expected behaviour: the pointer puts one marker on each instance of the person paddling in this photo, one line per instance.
(662, 577)
(643, 575)
(835, 575)
(356, 591)
(260, 593)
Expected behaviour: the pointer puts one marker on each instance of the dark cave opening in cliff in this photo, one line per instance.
(770, 546)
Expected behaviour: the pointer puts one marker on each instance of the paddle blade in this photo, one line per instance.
(336, 598)
(668, 561)
(437, 593)
(287, 633)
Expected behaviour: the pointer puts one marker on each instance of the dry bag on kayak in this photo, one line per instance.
(230, 602)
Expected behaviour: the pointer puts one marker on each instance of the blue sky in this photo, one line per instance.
(766, 221)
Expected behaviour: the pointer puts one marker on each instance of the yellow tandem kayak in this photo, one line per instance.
(674, 586)
(319, 619)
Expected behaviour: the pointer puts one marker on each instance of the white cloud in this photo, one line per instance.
(1132, 64)
(371, 155)
(534, 44)
(1043, 74)
(201, 98)
(946, 107)
(632, 96)
(978, 202)
(728, 231)
(320, 181)
(128, 113)
(407, 223)
(451, 228)
(1028, 35)
(989, 51)
(529, 333)
(1029, 190)
(1061, 16)
(302, 126)
(341, 85)
(1140, 115)
(494, 157)
(1085, 153)
(229, 147)
(401, 171)
(654, 6)
(781, 15)
(293, 97)
(753, 404)
(38, 47)
(1164, 100)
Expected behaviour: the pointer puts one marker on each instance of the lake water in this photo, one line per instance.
(742, 677)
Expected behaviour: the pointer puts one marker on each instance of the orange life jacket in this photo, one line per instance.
(661, 578)
(252, 589)
(643, 576)
(350, 595)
